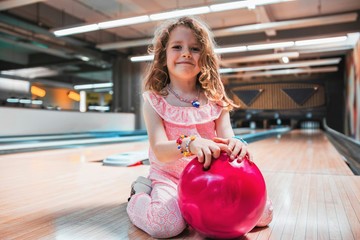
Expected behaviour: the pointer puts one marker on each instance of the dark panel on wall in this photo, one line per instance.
(300, 95)
(248, 96)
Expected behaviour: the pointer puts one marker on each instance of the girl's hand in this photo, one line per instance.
(206, 149)
(237, 148)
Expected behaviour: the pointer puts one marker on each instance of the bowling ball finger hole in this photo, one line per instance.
(206, 169)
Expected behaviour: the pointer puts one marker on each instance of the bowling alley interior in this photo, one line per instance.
(73, 137)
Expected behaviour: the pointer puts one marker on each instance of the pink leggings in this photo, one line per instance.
(159, 215)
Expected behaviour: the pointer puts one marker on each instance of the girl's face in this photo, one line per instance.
(182, 54)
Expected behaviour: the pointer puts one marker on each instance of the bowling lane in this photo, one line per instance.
(53, 141)
(68, 193)
(68, 136)
(299, 151)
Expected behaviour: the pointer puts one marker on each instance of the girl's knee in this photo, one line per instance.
(167, 229)
(160, 219)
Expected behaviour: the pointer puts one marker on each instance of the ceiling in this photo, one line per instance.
(27, 37)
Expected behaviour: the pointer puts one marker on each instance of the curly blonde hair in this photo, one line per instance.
(157, 77)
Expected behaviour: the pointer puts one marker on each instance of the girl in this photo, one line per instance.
(186, 112)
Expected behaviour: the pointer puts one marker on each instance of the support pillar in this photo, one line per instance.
(127, 88)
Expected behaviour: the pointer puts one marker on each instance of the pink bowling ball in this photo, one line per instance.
(225, 201)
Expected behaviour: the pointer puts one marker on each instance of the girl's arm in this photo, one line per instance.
(166, 150)
(225, 134)
(223, 126)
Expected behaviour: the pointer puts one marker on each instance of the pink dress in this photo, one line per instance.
(158, 214)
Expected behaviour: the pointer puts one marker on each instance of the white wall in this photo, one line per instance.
(22, 121)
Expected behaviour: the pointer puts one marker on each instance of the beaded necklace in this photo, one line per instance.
(195, 102)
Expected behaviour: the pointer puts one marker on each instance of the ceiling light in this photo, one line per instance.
(328, 49)
(251, 5)
(74, 96)
(270, 46)
(226, 70)
(84, 58)
(282, 72)
(124, 22)
(242, 4)
(320, 41)
(25, 101)
(179, 13)
(75, 30)
(34, 72)
(258, 58)
(228, 6)
(99, 108)
(230, 49)
(93, 86)
(142, 58)
(36, 102)
(285, 59)
(12, 100)
(37, 91)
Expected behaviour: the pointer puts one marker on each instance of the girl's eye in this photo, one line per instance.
(177, 47)
(195, 49)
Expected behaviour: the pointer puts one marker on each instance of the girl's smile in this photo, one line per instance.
(185, 62)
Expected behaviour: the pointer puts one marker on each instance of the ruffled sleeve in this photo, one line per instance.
(184, 116)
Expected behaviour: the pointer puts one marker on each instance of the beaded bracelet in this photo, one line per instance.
(187, 146)
(179, 141)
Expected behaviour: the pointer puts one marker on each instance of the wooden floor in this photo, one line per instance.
(68, 194)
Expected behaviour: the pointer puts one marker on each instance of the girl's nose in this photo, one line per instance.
(186, 54)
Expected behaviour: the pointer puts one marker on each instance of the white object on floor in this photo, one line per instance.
(127, 159)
